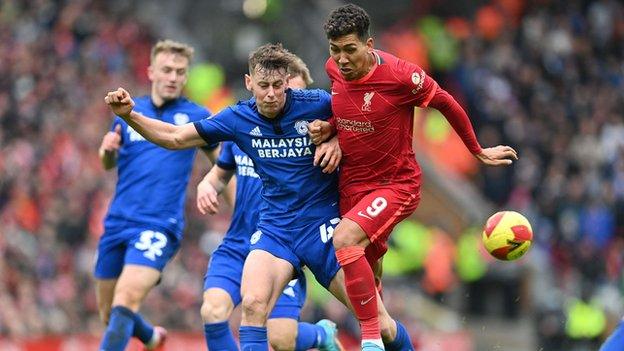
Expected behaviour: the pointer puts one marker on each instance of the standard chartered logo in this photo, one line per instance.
(282, 147)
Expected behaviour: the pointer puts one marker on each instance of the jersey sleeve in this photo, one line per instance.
(416, 87)
(220, 127)
(204, 113)
(226, 156)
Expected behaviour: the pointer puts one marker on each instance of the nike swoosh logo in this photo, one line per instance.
(364, 302)
(361, 214)
(334, 93)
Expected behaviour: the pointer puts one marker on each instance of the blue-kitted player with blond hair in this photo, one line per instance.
(145, 221)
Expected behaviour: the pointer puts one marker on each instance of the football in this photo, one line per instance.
(507, 235)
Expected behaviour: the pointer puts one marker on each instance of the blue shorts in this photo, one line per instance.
(225, 271)
(309, 245)
(140, 244)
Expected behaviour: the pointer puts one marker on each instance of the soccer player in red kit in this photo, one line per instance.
(373, 98)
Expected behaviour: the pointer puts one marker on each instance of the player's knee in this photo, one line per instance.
(282, 340)
(345, 237)
(127, 297)
(254, 305)
(214, 312)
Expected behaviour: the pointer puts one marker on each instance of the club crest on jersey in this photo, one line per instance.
(255, 237)
(301, 127)
(368, 97)
(180, 118)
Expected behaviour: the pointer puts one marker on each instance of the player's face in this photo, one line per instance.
(297, 82)
(269, 90)
(168, 73)
(352, 55)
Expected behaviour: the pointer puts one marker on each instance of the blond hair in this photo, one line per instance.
(299, 68)
(172, 47)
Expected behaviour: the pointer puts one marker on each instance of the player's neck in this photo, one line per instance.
(159, 101)
(370, 63)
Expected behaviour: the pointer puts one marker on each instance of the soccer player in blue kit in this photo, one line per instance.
(300, 201)
(223, 278)
(145, 221)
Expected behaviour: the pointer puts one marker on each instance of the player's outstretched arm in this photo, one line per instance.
(328, 155)
(164, 134)
(320, 131)
(109, 147)
(210, 187)
(500, 155)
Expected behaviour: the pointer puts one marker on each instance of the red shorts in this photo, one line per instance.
(377, 212)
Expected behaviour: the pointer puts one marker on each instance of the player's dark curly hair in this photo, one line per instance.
(346, 20)
(270, 57)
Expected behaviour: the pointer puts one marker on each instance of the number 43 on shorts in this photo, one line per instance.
(327, 231)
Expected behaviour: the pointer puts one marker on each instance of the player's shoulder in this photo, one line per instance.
(142, 101)
(308, 95)
(192, 107)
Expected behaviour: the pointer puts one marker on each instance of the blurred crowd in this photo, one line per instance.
(547, 80)
(551, 84)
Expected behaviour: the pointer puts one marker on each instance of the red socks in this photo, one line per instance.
(361, 289)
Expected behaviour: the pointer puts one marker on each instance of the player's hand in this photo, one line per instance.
(120, 102)
(328, 155)
(500, 155)
(320, 131)
(111, 141)
(207, 198)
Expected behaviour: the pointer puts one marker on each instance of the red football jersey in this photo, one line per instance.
(374, 121)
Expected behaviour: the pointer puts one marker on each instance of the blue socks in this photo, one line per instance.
(615, 342)
(219, 337)
(309, 336)
(402, 340)
(119, 330)
(253, 338)
(143, 330)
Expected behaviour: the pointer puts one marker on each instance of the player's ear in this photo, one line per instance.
(248, 82)
(150, 73)
(370, 43)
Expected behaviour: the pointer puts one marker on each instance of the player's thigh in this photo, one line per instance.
(104, 292)
(264, 278)
(217, 305)
(282, 333)
(225, 270)
(316, 251)
(379, 211)
(133, 285)
(109, 259)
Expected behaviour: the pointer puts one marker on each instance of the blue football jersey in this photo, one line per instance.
(294, 189)
(248, 188)
(152, 180)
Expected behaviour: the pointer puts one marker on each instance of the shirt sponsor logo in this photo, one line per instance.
(282, 147)
(245, 166)
(350, 125)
